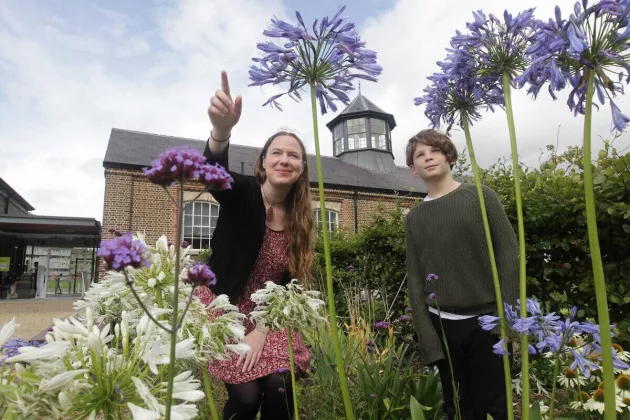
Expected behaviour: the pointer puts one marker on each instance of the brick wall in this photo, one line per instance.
(134, 204)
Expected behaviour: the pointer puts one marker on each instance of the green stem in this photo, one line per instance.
(171, 366)
(207, 384)
(329, 282)
(296, 408)
(554, 380)
(158, 298)
(458, 412)
(493, 263)
(507, 93)
(610, 412)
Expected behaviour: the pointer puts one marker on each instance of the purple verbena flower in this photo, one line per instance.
(432, 277)
(185, 244)
(200, 275)
(432, 296)
(124, 251)
(328, 60)
(381, 325)
(181, 164)
(404, 318)
(409, 310)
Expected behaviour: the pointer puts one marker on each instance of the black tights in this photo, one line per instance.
(271, 394)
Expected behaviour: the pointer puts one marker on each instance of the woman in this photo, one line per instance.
(264, 233)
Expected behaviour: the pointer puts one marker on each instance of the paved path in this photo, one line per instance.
(33, 316)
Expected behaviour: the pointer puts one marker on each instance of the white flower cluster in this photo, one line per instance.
(113, 347)
(280, 307)
(155, 285)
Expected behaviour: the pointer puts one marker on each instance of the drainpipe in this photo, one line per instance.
(356, 211)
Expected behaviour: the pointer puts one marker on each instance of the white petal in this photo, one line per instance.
(52, 350)
(190, 396)
(139, 413)
(7, 331)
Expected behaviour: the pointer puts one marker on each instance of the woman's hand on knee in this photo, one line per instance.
(256, 341)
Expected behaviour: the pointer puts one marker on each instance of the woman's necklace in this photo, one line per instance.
(270, 209)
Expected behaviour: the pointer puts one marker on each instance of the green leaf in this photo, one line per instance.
(535, 413)
(626, 227)
(489, 417)
(416, 409)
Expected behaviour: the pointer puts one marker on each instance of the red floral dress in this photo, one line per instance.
(270, 266)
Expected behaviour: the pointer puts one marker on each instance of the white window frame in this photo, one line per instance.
(199, 222)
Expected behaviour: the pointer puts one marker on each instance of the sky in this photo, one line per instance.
(71, 70)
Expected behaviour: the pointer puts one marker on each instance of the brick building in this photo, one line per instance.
(359, 179)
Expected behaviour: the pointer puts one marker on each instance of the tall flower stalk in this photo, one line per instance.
(455, 97)
(591, 52)
(291, 308)
(175, 166)
(498, 49)
(326, 62)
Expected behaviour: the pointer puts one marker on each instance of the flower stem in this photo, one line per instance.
(507, 94)
(552, 403)
(171, 365)
(296, 408)
(329, 281)
(458, 412)
(142, 305)
(158, 298)
(208, 388)
(610, 411)
(493, 263)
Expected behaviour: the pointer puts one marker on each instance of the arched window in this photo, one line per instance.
(332, 219)
(200, 219)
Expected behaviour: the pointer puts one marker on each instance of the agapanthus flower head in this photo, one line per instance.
(181, 164)
(200, 274)
(124, 251)
(497, 46)
(458, 90)
(280, 307)
(329, 59)
(594, 40)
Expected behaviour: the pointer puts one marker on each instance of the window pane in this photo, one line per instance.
(187, 220)
(205, 243)
(188, 210)
(205, 209)
(214, 210)
(196, 243)
(205, 232)
(197, 220)
(213, 222)
(197, 232)
(188, 230)
(188, 239)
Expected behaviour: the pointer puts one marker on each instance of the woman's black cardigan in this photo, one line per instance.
(239, 233)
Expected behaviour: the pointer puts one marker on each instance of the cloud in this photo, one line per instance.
(153, 68)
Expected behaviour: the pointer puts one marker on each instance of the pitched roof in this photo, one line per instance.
(359, 106)
(12, 194)
(135, 150)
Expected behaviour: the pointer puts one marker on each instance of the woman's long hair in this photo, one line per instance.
(299, 215)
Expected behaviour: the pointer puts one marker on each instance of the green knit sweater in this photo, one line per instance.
(445, 237)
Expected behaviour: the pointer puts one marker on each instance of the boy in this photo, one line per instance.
(448, 264)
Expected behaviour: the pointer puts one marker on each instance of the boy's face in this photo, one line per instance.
(429, 163)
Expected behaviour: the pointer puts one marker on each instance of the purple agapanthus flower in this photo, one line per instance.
(458, 90)
(124, 251)
(181, 164)
(564, 52)
(497, 45)
(547, 332)
(200, 275)
(327, 57)
(11, 347)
